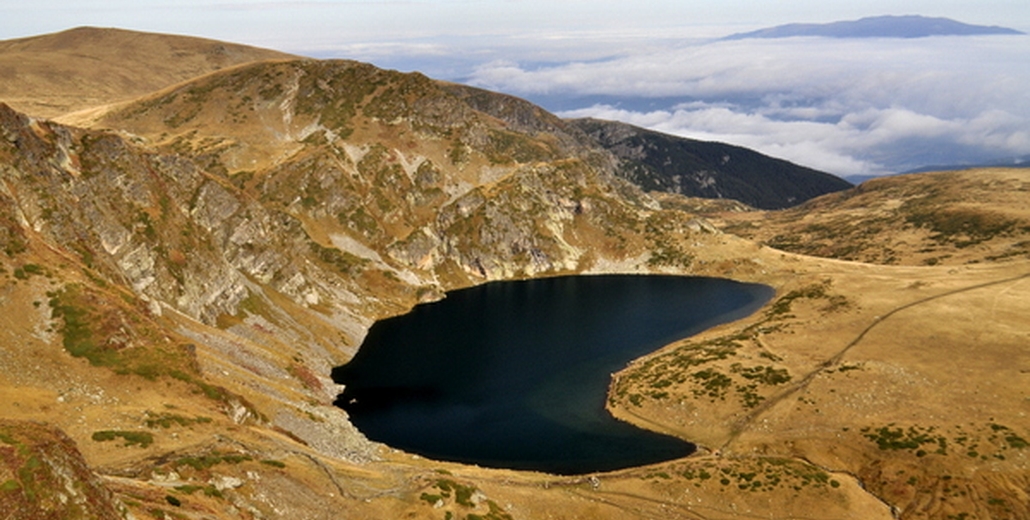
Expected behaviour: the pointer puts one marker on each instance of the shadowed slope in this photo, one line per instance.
(663, 162)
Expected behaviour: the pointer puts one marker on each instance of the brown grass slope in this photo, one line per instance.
(953, 218)
(49, 75)
(257, 115)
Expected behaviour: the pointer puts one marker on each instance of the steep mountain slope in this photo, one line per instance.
(915, 219)
(53, 74)
(910, 26)
(384, 159)
(661, 162)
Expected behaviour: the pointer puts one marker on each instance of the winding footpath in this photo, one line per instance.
(743, 423)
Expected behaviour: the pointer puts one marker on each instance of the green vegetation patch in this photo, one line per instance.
(78, 335)
(166, 420)
(462, 493)
(984, 442)
(762, 374)
(25, 271)
(447, 490)
(93, 327)
(208, 461)
(12, 237)
(131, 438)
(1014, 441)
(495, 513)
(711, 383)
(343, 262)
(782, 307)
(759, 475)
(431, 499)
(209, 490)
(896, 438)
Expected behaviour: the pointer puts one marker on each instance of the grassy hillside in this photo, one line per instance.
(947, 218)
(49, 75)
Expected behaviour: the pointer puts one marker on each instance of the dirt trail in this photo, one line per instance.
(742, 424)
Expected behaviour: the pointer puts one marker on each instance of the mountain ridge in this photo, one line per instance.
(662, 162)
(753, 178)
(908, 26)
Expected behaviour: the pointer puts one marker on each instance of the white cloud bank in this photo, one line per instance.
(849, 107)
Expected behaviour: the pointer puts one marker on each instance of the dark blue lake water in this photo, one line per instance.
(515, 374)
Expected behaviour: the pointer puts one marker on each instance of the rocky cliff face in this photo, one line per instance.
(392, 164)
(357, 179)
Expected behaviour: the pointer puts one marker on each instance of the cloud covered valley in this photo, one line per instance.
(846, 106)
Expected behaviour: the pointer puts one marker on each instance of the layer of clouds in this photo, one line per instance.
(844, 106)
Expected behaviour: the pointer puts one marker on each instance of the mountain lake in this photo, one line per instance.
(515, 374)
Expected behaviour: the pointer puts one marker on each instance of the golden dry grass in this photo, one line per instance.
(53, 74)
(947, 218)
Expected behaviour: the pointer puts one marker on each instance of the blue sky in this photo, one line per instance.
(848, 107)
(320, 26)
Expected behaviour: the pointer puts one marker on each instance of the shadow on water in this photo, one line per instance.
(515, 374)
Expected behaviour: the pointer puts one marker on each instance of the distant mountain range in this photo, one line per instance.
(911, 26)
(1007, 162)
